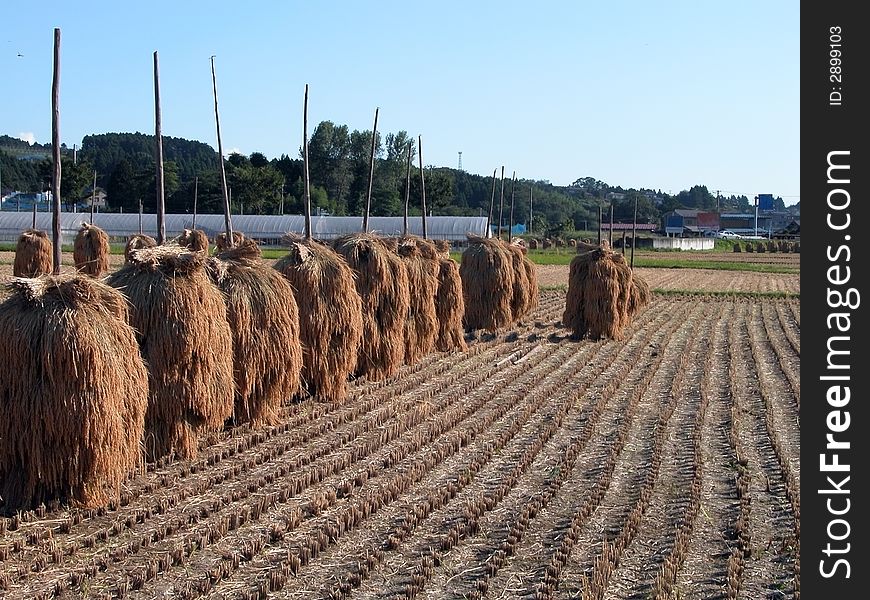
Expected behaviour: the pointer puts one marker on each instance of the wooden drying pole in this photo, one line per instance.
(599, 224)
(530, 209)
(55, 153)
(93, 196)
(501, 203)
(511, 220)
(195, 193)
(228, 222)
(33, 226)
(371, 175)
(633, 233)
(305, 178)
(610, 233)
(407, 189)
(491, 203)
(422, 181)
(140, 216)
(161, 216)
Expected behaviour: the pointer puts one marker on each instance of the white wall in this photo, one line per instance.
(683, 243)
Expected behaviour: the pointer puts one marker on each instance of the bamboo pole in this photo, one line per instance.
(422, 182)
(610, 233)
(55, 153)
(93, 196)
(195, 194)
(371, 174)
(407, 189)
(140, 216)
(511, 220)
(530, 209)
(633, 233)
(158, 134)
(491, 203)
(33, 226)
(599, 224)
(306, 179)
(501, 203)
(228, 222)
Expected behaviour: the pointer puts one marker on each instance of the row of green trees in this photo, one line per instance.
(339, 169)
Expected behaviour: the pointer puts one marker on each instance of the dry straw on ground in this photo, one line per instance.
(73, 393)
(381, 281)
(136, 242)
(601, 300)
(181, 323)
(91, 250)
(330, 316)
(421, 327)
(487, 284)
(193, 239)
(32, 254)
(262, 313)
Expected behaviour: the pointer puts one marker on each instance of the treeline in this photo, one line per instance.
(339, 170)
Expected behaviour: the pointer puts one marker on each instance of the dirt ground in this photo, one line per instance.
(532, 465)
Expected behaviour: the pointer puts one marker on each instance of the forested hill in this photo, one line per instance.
(105, 150)
(339, 168)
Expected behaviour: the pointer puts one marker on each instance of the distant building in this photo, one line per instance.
(690, 222)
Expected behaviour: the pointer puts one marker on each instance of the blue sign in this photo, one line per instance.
(765, 201)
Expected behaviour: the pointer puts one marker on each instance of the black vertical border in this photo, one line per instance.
(827, 128)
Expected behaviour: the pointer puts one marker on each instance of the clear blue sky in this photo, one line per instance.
(661, 95)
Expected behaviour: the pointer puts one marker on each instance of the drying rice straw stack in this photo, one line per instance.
(32, 254)
(73, 393)
(421, 325)
(449, 304)
(599, 286)
(262, 313)
(194, 240)
(136, 242)
(381, 281)
(181, 323)
(91, 250)
(330, 316)
(487, 284)
(521, 296)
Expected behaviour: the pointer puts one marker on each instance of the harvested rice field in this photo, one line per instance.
(663, 465)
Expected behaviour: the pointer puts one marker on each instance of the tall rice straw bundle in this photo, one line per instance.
(521, 297)
(442, 246)
(421, 328)
(73, 393)
(136, 242)
(330, 316)
(487, 284)
(194, 240)
(91, 250)
(390, 243)
(181, 323)
(262, 313)
(32, 254)
(449, 307)
(381, 281)
(599, 284)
